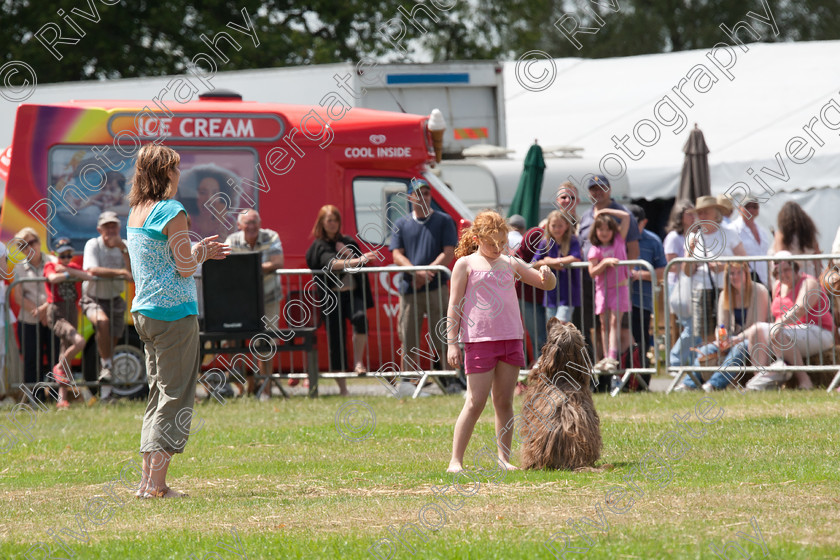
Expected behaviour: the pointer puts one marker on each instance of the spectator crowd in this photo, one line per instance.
(776, 314)
(772, 313)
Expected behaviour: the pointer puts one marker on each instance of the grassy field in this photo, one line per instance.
(281, 478)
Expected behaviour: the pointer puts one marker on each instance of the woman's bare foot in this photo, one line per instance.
(166, 492)
(144, 488)
(454, 467)
(508, 466)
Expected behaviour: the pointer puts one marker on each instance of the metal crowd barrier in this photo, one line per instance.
(304, 305)
(692, 370)
(384, 356)
(299, 306)
(128, 369)
(586, 320)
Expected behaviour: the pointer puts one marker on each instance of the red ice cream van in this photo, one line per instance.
(70, 161)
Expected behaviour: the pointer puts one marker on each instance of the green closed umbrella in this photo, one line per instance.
(526, 201)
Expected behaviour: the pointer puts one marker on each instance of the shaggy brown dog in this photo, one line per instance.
(564, 431)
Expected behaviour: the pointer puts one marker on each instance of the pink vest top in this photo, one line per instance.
(490, 308)
(780, 305)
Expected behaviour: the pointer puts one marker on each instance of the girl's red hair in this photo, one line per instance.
(485, 225)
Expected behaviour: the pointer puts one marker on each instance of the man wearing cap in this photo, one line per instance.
(600, 193)
(757, 240)
(424, 237)
(517, 224)
(106, 257)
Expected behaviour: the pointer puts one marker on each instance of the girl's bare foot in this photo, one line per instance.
(508, 466)
(454, 467)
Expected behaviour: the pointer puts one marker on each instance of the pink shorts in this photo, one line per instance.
(483, 356)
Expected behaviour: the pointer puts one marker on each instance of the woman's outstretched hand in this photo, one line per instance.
(210, 249)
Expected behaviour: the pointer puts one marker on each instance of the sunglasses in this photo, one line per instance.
(65, 256)
(31, 243)
(567, 197)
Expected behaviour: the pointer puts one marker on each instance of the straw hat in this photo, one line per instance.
(708, 202)
(724, 201)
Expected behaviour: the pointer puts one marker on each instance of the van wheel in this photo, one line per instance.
(129, 365)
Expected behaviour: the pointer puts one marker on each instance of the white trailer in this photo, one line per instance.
(469, 94)
(492, 182)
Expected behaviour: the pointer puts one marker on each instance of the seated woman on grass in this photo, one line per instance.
(741, 304)
(803, 326)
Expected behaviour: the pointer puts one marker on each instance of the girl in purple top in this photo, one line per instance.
(560, 247)
(484, 314)
(612, 296)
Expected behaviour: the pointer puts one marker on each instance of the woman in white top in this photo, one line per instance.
(36, 339)
(681, 220)
(707, 242)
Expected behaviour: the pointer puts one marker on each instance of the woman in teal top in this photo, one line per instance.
(165, 309)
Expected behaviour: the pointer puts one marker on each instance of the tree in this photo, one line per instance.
(147, 38)
(633, 27)
(132, 38)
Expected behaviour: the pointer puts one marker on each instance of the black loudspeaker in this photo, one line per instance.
(233, 293)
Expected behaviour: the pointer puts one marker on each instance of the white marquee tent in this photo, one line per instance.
(750, 119)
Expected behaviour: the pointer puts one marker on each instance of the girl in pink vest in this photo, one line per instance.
(484, 314)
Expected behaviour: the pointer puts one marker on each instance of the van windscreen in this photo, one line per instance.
(88, 180)
(379, 202)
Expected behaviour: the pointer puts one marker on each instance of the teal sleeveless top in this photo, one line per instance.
(160, 292)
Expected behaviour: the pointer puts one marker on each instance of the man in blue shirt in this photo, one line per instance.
(641, 292)
(424, 237)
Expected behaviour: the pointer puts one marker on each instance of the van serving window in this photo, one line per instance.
(87, 180)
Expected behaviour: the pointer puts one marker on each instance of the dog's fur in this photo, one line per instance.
(563, 429)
